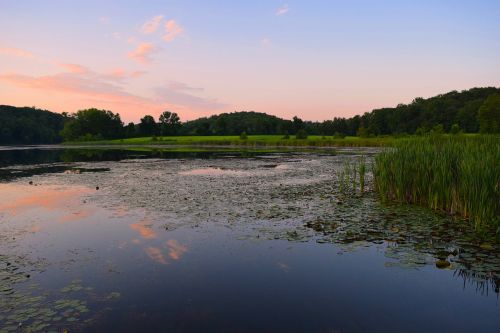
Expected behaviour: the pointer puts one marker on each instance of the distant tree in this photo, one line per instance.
(236, 122)
(147, 126)
(489, 115)
(169, 123)
(338, 135)
(301, 134)
(455, 129)
(243, 135)
(32, 125)
(93, 124)
(130, 130)
(467, 117)
(286, 136)
(298, 124)
(220, 127)
(438, 129)
(25, 125)
(362, 132)
(422, 130)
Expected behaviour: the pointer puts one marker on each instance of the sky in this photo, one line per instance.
(316, 59)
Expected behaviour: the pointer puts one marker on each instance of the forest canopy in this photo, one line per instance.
(29, 125)
(470, 111)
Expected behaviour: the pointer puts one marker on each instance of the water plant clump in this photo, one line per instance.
(459, 175)
(352, 177)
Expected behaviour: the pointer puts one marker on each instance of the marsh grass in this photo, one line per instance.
(352, 174)
(459, 175)
(250, 141)
(362, 173)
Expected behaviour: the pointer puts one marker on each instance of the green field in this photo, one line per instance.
(251, 141)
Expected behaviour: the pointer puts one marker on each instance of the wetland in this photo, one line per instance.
(124, 239)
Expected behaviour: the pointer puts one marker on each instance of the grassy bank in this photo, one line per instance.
(250, 141)
(456, 174)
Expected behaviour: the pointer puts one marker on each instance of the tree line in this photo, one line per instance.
(29, 125)
(470, 111)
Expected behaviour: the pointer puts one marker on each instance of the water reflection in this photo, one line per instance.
(144, 227)
(483, 285)
(267, 269)
(14, 160)
(18, 199)
(156, 254)
(57, 154)
(172, 248)
(175, 249)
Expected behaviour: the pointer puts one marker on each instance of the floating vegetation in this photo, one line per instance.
(36, 310)
(459, 175)
(411, 237)
(28, 307)
(113, 295)
(74, 286)
(289, 198)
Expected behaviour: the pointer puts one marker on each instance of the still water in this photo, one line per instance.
(114, 240)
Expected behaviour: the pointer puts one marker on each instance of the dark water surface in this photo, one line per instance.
(199, 241)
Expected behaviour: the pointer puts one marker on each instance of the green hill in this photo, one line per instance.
(27, 125)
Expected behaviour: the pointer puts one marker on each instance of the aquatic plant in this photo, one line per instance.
(362, 173)
(459, 175)
(352, 174)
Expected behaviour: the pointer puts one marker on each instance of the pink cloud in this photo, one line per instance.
(15, 52)
(119, 74)
(74, 68)
(116, 35)
(179, 86)
(172, 31)
(282, 10)
(79, 87)
(89, 88)
(142, 53)
(181, 95)
(136, 74)
(116, 74)
(266, 42)
(151, 25)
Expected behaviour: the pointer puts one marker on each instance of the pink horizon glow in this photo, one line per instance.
(315, 62)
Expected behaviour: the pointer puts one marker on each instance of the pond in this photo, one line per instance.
(130, 240)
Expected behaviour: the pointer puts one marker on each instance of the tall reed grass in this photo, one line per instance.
(456, 174)
(352, 173)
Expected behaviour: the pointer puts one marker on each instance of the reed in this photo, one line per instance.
(362, 173)
(456, 174)
(352, 174)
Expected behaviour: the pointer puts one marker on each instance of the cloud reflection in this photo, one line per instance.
(175, 249)
(18, 199)
(171, 249)
(144, 228)
(156, 254)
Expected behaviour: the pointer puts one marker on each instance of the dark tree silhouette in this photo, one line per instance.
(169, 123)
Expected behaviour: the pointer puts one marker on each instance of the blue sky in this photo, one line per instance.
(314, 59)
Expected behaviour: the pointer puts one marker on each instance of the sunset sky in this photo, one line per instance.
(314, 59)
